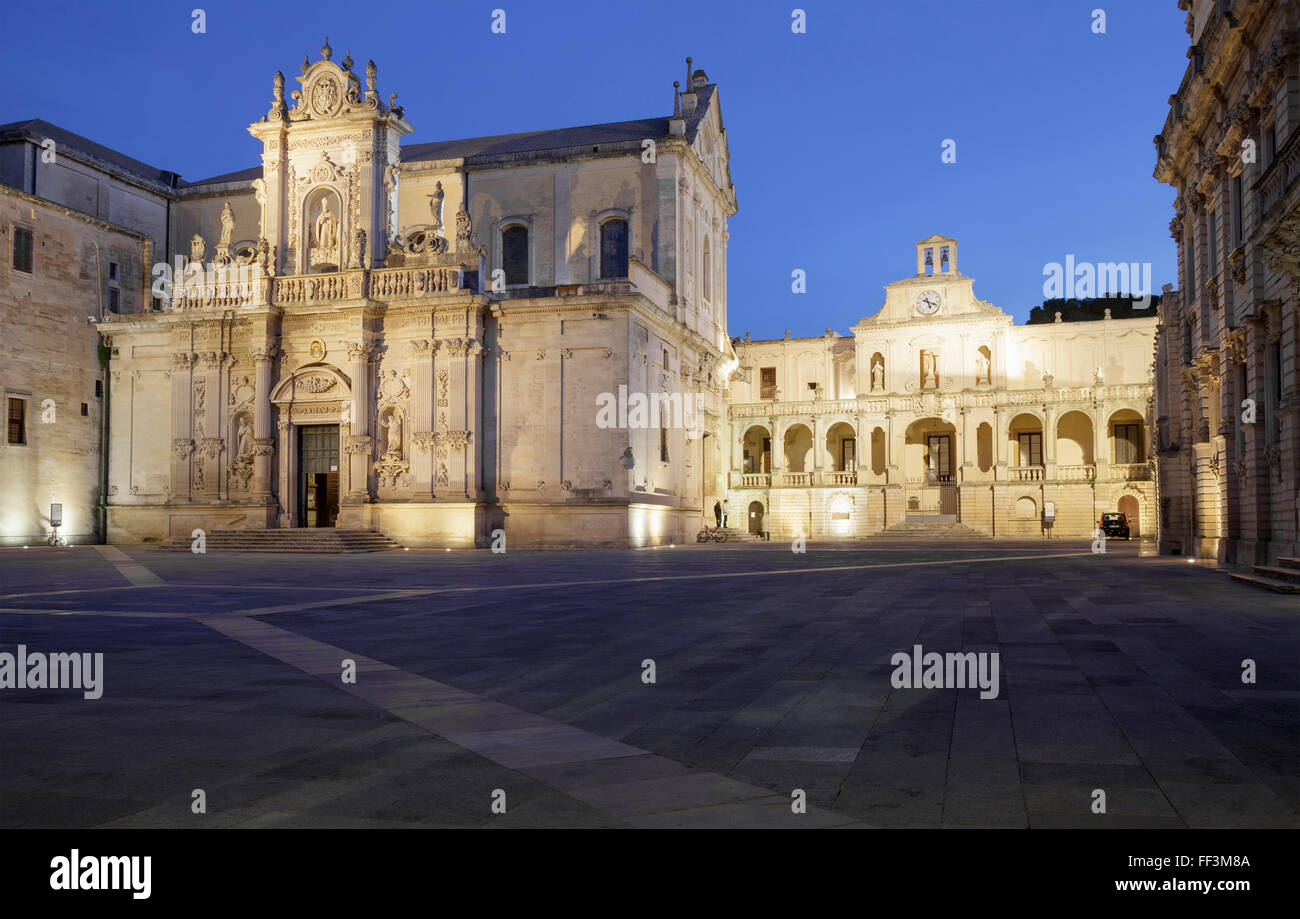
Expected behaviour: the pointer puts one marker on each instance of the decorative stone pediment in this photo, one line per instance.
(330, 90)
(312, 383)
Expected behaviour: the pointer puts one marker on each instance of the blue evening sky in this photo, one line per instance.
(835, 135)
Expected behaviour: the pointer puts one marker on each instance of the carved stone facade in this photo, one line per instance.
(363, 361)
(939, 409)
(1228, 365)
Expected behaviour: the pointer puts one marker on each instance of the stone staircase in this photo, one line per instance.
(301, 540)
(735, 534)
(914, 529)
(1282, 578)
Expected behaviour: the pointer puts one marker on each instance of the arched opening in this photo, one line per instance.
(1026, 508)
(930, 451)
(1074, 440)
(1025, 448)
(842, 447)
(798, 447)
(613, 248)
(1128, 506)
(322, 230)
(514, 254)
(878, 451)
(1127, 438)
(757, 450)
(755, 517)
(984, 446)
(983, 366)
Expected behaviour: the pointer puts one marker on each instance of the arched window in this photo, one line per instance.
(708, 276)
(514, 254)
(613, 248)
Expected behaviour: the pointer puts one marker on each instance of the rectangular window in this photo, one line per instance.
(1031, 449)
(1213, 244)
(99, 389)
(112, 271)
(1270, 145)
(114, 300)
(85, 410)
(17, 421)
(767, 383)
(22, 250)
(1236, 211)
(1189, 263)
(1128, 448)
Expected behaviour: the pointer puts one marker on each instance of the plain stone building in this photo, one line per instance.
(938, 409)
(414, 338)
(59, 270)
(1227, 377)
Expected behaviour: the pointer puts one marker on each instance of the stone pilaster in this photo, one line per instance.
(423, 395)
(358, 459)
(182, 424)
(263, 435)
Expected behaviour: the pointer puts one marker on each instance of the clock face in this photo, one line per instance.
(927, 303)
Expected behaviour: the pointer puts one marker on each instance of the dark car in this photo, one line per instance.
(1114, 525)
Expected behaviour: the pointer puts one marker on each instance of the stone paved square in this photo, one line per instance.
(523, 672)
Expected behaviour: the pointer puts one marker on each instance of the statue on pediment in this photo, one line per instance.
(227, 232)
(435, 206)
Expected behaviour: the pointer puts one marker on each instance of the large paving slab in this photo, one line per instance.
(523, 673)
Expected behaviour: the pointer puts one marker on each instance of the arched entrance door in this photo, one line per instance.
(1128, 506)
(755, 517)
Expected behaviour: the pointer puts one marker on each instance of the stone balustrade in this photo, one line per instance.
(968, 399)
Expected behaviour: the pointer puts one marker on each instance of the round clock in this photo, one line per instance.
(927, 302)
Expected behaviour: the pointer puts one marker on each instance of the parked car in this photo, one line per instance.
(1114, 525)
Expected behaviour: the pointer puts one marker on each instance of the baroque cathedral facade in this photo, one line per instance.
(369, 333)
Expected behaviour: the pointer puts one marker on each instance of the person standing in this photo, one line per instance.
(717, 513)
(725, 512)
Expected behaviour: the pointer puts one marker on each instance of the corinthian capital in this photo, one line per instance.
(360, 353)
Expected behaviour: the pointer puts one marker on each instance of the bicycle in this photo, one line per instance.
(55, 540)
(717, 534)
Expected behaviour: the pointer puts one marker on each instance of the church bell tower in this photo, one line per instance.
(329, 170)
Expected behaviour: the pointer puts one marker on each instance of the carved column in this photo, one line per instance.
(263, 436)
(473, 400)
(424, 393)
(209, 421)
(182, 424)
(288, 469)
(358, 445)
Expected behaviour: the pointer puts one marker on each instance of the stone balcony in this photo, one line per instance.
(1060, 475)
(934, 402)
(249, 288)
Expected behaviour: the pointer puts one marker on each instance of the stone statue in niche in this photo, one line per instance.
(244, 439)
(878, 376)
(981, 368)
(227, 232)
(929, 369)
(392, 434)
(435, 206)
(326, 228)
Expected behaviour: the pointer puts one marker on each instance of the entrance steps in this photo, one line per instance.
(301, 540)
(915, 529)
(1282, 578)
(735, 534)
